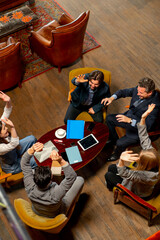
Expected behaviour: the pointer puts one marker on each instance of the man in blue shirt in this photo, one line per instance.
(142, 95)
(87, 96)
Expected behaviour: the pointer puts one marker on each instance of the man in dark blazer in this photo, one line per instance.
(142, 95)
(87, 96)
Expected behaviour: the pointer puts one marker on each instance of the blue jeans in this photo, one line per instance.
(11, 160)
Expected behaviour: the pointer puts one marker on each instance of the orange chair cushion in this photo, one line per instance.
(47, 29)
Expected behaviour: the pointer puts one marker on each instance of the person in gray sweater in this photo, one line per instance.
(142, 179)
(48, 198)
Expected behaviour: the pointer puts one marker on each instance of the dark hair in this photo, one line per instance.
(42, 176)
(2, 140)
(96, 75)
(147, 83)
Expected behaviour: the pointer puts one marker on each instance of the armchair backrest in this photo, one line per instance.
(10, 66)
(71, 24)
(78, 71)
(67, 41)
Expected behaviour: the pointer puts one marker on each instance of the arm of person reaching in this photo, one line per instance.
(13, 143)
(26, 167)
(133, 175)
(70, 176)
(126, 173)
(152, 117)
(77, 80)
(101, 93)
(122, 93)
(142, 129)
(8, 107)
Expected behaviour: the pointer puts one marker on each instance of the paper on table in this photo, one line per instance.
(45, 153)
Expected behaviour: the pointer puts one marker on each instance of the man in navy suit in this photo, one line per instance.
(142, 95)
(87, 96)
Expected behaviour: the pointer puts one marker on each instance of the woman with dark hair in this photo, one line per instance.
(142, 179)
(11, 148)
(87, 96)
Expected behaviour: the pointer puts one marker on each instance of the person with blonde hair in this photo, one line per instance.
(142, 179)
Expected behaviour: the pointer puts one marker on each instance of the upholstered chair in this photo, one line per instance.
(30, 218)
(10, 64)
(148, 209)
(9, 179)
(75, 72)
(60, 42)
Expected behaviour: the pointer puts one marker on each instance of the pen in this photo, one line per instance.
(61, 143)
(57, 140)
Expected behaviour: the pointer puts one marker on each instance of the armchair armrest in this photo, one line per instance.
(65, 19)
(41, 39)
(5, 176)
(135, 197)
(69, 95)
(154, 133)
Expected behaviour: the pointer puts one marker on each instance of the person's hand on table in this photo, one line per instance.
(36, 147)
(56, 157)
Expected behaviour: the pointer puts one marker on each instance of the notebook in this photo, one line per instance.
(45, 153)
(73, 155)
(75, 129)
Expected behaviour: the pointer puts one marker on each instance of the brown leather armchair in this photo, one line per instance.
(10, 64)
(60, 43)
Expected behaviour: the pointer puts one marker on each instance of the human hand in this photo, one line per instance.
(107, 101)
(149, 110)
(129, 156)
(4, 97)
(80, 78)
(8, 122)
(37, 147)
(123, 118)
(91, 111)
(55, 156)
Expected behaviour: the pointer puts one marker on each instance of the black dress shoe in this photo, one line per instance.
(113, 157)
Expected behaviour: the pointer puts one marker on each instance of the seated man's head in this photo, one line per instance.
(42, 177)
(146, 86)
(95, 79)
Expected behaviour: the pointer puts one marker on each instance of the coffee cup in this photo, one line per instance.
(61, 132)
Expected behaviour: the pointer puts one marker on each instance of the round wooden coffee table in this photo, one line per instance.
(100, 131)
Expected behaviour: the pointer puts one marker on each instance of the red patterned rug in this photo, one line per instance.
(46, 12)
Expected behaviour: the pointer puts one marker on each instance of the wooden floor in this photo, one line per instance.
(128, 32)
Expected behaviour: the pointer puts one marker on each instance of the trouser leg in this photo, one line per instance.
(124, 142)
(112, 122)
(71, 113)
(111, 177)
(97, 117)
